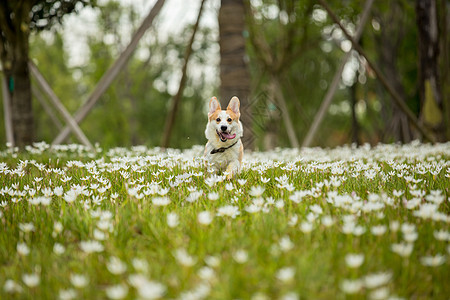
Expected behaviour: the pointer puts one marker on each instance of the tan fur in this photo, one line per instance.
(230, 159)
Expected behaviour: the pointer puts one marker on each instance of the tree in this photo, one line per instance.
(234, 74)
(432, 111)
(395, 32)
(17, 20)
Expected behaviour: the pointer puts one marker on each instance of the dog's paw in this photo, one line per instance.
(230, 172)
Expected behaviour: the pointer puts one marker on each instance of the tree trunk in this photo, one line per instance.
(234, 74)
(355, 125)
(387, 44)
(430, 90)
(14, 58)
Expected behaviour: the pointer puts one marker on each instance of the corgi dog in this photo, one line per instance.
(224, 149)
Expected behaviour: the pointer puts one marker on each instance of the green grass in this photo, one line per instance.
(232, 257)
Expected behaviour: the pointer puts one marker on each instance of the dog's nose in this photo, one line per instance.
(224, 128)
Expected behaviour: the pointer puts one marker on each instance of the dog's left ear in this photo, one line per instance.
(234, 105)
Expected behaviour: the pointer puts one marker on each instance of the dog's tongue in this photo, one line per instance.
(229, 136)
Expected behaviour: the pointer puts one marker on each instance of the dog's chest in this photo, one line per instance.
(222, 159)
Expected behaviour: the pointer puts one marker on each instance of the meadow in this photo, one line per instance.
(139, 223)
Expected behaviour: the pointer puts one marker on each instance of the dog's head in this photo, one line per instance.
(223, 125)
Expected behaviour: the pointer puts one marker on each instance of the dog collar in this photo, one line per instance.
(222, 149)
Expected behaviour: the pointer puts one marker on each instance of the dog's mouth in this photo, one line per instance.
(224, 136)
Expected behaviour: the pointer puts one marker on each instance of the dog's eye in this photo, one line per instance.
(229, 120)
(218, 119)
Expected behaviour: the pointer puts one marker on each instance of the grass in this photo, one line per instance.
(162, 226)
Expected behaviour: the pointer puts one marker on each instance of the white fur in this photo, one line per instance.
(229, 160)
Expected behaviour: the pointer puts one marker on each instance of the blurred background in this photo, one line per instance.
(278, 57)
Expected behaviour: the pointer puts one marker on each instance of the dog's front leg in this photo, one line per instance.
(233, 168)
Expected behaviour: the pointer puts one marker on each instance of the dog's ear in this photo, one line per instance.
(234, 105)
(214, 105)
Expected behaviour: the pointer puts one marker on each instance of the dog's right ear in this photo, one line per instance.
(214, 106)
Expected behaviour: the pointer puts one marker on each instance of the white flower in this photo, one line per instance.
(259, 296)
(193, 196)
(402, 249)
(67, 294)
(151, 290)
(306, 227)
(410, 237)
(441, 235)
(184, 258)
(435, 196)
(229, 186)
(78, 280)
(58, 191)
(204, 217)
(351, 286)
(212, 261)
(31, 280)
(279, 204)
(290, 296)
(99, 235)
(70, 196)
(286, 244)
(316, 209)
(378, 230)
(137, 280)
(160, 201)
(354, 260)
(11, 286)
(379, 294)
(265, 180)
(377, 279)
(252, 208)
(58, 249)
(293, 220)
(200, 291)
(394, 226)
(228, 210)
(240, 256)
(426, 211)
(213, 196)
(242, 181)
(327, 221)
(58, 227)
(206, 273)
(433, 261)
(359, 230)
(44, 200)
(116, 266)
(397, 193)
(140, 265)
(172, 220)
(118, 291)
(104, 224)
(163, 191)
(91, 246)
(285, 274)
(27, 227)
(297, 196)
(256, 191)
(22, 249)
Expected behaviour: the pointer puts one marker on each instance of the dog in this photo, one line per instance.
(224, 149)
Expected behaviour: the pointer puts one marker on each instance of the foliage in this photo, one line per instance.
(127, 223)
(136, 103)
(306, 48)
(47, 13)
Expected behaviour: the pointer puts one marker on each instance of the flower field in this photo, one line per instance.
(139, 223)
